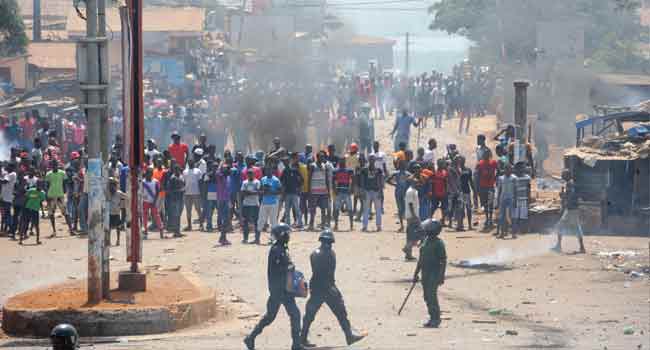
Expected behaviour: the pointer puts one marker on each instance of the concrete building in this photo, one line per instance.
(14, 74)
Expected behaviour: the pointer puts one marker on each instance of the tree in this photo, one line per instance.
(13, 40)
(506, 30)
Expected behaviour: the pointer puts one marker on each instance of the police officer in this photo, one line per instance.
(278, 267)
(64, 337)
(432, 262)
(324, 290)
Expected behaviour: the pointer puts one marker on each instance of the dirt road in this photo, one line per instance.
(535, 299)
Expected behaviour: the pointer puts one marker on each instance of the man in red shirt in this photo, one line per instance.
(179, 151)
(439, 181)
(487, 178)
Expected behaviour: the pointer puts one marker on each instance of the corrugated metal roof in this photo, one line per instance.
(53, 55)
(626, 79)
(155, 19)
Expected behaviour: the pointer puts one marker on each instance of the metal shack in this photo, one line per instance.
(611, 168)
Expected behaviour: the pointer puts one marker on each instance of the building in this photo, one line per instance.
(14, 74)
(357, 51)
(169, 33)
(55, 58)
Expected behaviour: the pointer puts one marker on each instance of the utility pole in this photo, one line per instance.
(408, 56)
(93, 87)
(36, 25)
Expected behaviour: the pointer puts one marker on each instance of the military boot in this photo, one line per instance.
(249, 341)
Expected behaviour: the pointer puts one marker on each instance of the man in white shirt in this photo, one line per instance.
(430, 152)
(192, 176)
(380, 158)
(412, 202)
(8, 182)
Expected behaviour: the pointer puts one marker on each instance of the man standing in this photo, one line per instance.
(506, 198)
(399, 179)
(412, 220)
(342, 179)
(487, 174)
(465, 199)
(150, 195)
(271, 190)
(481, 149)
(8, 183)
(439, 189)
(192, 177)
(179, 151)
(250, 190)
(522, 198)
(279, 266)
(372, 184)
(319, 189)
(402, 129)
(55, 194)
(365, 128)
(175, 191)
(223, 203)
(324, 290)
(432, 263)
(292, 183)
(430, 152)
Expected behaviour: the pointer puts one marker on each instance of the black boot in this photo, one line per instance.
(352, 337)
(249, 341)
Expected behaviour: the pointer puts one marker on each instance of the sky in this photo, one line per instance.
(392, 19)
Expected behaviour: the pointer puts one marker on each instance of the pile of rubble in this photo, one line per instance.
(623, 148)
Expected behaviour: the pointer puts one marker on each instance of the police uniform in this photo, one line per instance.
(279, 265)
(324, 290)
(433, 260)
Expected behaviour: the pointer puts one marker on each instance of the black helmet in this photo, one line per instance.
(430, 227)
(326, 236)
(280, 232)
(64, 337)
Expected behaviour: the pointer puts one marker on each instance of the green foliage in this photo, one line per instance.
(13, 40)
(507, 29)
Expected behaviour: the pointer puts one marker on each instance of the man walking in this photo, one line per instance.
(402, 129)
(324, 290)
(279, 266)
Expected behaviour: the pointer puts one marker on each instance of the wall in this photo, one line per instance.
(18, 69)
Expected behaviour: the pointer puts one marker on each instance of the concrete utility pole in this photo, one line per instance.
(521, 110)
(93, 86)
(36, 24)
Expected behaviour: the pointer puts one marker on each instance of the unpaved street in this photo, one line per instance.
(538, 299)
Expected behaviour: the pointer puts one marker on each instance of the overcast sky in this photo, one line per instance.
(430, 50)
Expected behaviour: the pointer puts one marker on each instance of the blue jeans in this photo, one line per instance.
(292, 201)
(372, 197)
(425, 208)
(223, 212)
(505, 208)
(83, 212)
(209, 207)
(71, 208)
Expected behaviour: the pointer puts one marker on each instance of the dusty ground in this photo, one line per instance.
(550, 300)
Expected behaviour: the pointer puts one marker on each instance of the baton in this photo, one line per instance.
(407, 298)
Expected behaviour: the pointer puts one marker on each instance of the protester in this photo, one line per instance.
(55, 195)
(271, 188)
(319, 189)
(292, 182)
(372, 184)
(192, 177)
(250, 189)
(150, 197)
